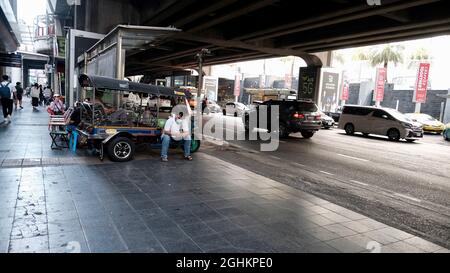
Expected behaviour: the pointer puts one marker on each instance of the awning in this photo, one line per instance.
(120, 85)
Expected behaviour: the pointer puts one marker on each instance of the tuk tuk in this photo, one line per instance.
(117, 115)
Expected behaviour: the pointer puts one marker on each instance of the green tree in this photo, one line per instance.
(419, 56)
(382, 55)
(338, 57)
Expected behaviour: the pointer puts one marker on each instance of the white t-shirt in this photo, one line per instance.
(11, 88)
(35, 92)
(174, 126)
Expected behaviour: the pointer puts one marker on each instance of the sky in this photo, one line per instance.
(27, 10)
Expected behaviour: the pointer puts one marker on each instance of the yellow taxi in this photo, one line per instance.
(430, 124)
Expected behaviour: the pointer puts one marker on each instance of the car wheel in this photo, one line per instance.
(283, 131)
(121, 149)
(307, 135)
(349, 129)
(393, 135)
(235, 114)
(224, 112)
(365, 134)
(327, 127)
(411, 140)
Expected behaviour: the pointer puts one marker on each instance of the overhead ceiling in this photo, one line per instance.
(252, 29)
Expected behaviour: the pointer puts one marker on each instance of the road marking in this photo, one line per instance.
(354, 158)
(360, 183)
(327, 173)
(275, 157)
(408, 197)
(300, 165)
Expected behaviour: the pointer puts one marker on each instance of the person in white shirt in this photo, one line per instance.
(57, 106)
(7, 98)
(35, 95)
(176, 129)
(47, 95)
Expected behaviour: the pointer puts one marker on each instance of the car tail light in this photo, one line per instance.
(318, 118)
(299, 116)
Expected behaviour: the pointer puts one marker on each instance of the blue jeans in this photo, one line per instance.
(166, 143)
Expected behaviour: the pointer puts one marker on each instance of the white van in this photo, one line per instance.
(379, 121)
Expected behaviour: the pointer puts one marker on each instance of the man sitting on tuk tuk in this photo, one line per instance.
(176, 129)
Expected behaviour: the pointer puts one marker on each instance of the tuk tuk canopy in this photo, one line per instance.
(105, 83)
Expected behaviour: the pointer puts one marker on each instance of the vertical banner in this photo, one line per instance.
(420, 93)
(237, 85)
(345, 92)
(378, 94)
(288, 81)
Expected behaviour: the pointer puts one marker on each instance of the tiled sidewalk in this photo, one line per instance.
(56, 201)
(206, 205)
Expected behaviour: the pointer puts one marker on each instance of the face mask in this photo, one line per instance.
(179, 121)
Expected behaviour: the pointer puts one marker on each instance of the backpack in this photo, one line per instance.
(5, 92)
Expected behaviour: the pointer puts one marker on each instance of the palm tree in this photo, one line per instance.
(338, 57)
(419, 56)
(381, 55)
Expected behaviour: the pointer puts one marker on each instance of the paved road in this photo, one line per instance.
(401, 184)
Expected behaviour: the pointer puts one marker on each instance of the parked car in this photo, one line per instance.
(379, 121)
(235, 108)
(430, 124)
(327, 122)
(446, 132)
(212, 107)
(294, 116)
(335, 115)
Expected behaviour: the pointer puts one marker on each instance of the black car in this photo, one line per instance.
(294, 116)
(335, 115)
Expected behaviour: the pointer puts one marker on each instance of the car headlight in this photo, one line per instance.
(407, 125)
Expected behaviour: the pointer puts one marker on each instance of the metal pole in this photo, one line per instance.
(200, 76)
(418, 107)
(75, 16)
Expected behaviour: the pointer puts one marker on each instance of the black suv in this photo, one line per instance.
(294, 116)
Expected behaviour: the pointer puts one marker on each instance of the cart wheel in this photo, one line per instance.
(195, 145)
(121, 149)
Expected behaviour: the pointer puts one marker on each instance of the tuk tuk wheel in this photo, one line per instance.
(195, 145)
(121, 149)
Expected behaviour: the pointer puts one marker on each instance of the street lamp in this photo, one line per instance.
(204, 52)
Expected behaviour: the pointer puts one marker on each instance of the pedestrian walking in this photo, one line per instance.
(35, 96)
(47, 95)
(7, 96)
(18, 95)
(41, 95)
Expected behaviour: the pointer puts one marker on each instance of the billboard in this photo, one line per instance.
(420, 94)
(211, 86)
(378, 94)
(330, 89)
(308, 81)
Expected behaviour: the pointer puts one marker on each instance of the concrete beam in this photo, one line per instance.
(337, 18)
(309, 59)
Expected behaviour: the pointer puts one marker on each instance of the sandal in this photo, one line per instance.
(188, 158)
